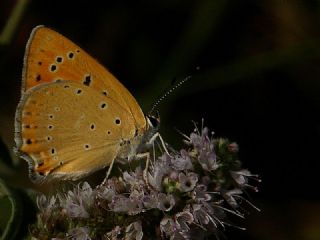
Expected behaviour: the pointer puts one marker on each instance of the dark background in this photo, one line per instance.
(258, 84)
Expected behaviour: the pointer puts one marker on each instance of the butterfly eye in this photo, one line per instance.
(155, 122)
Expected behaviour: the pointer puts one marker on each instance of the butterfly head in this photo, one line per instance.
(153, 124)
(153, 121)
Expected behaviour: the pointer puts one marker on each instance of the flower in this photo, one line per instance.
(122, 204)
(183, 220)
(134, 231)
(177, 227)
(200, 193)
(200, 216)
(167, 226)
(150, 201)
(229, 197)
(187, 181)
(134, 179)
(161, 169)
(86, 194)
(166, 202)
(45, 204)
(76, 210)
(205, 150)
(106, 193)
(182, 161)
(185, 194)
(241, 178)
(78, 202)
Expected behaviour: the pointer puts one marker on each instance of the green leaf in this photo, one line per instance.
(10, 214)
(17, 212)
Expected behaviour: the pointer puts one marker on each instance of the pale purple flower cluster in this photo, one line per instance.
(77, 203)
(185, 195)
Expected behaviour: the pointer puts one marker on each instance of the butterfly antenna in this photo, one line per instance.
(167, 93)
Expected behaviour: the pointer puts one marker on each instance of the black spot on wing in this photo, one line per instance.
(87, 80)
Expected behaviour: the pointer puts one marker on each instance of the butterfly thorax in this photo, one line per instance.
(129, 148)
(140, 142)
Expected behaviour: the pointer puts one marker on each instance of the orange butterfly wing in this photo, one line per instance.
(50, 56)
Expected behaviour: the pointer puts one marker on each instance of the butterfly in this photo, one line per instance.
(74, 116)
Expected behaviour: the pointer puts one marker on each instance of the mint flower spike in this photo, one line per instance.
(188, 194)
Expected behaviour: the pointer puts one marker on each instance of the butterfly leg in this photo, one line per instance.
(145, 155)
(104, 182)
(154, 137)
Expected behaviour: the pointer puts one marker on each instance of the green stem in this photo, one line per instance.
(13, 21)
